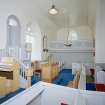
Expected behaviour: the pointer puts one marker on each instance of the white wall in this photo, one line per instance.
(81, 51)
(100, 32)
(92, 15)
(77, 52)
(35, 38)
(33, 10)
(76, 9)
(83, 33)
(16, 8)
(27, 12)
(73, 57)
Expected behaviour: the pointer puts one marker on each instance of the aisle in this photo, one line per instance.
(64, 77)
(10, 95)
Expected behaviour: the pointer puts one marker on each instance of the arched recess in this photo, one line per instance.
(33, 35)
(73, 35)
(13, 32)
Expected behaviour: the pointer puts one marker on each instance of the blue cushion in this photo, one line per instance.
(90, 86)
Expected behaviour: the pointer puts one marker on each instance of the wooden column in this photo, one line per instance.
(29, 74)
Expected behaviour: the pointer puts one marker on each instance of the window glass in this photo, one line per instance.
(13, 32)
(73, 35)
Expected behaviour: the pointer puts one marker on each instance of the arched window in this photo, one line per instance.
(73, 35)
(13, 32)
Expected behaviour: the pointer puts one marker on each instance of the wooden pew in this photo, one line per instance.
(49, 72)
(2, 86)
(75, 82)
(11, 74)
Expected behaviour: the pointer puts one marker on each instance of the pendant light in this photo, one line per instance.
(68, 42)
(53, 10)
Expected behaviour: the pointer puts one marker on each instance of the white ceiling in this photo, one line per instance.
(76, 10)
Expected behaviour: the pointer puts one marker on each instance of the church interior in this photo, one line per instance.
(52, 52)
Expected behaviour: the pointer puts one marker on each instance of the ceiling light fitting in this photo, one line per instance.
(68, 42)
(53, 10)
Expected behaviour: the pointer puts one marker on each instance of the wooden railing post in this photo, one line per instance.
(29, 73)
